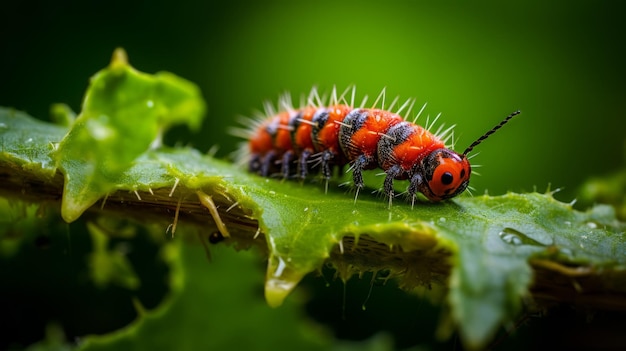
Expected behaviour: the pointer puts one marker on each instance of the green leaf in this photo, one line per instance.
(124, 113)
(28, 142)
(489, 251)
(486, 243)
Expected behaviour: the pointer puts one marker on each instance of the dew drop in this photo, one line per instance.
(592, 225)
(515, 237)
(280, 268)
(281, 280)
(510, 238)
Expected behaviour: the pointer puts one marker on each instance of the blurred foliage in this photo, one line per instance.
(609, 189)
(213, 307)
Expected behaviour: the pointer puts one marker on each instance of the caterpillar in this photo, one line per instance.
(317, 137)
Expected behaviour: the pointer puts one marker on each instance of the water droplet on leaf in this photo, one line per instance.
(281, 279)
(515, 237)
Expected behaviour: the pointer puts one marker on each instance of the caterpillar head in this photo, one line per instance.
(445, 174)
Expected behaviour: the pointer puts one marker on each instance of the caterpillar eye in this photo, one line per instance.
(447, 178)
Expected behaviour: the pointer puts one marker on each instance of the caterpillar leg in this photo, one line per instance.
(285, 168)
(266, 163)
(392, 173)
(357, 172)
(326, 159)
(414, 185)
(303, 164)
(254, 166)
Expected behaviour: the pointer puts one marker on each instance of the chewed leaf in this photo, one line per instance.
(485, 249)
(489, 252)
(124, 113)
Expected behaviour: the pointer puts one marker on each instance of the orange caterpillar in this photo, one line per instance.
(317, 137)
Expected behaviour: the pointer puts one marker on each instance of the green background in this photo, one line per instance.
(560, 62)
